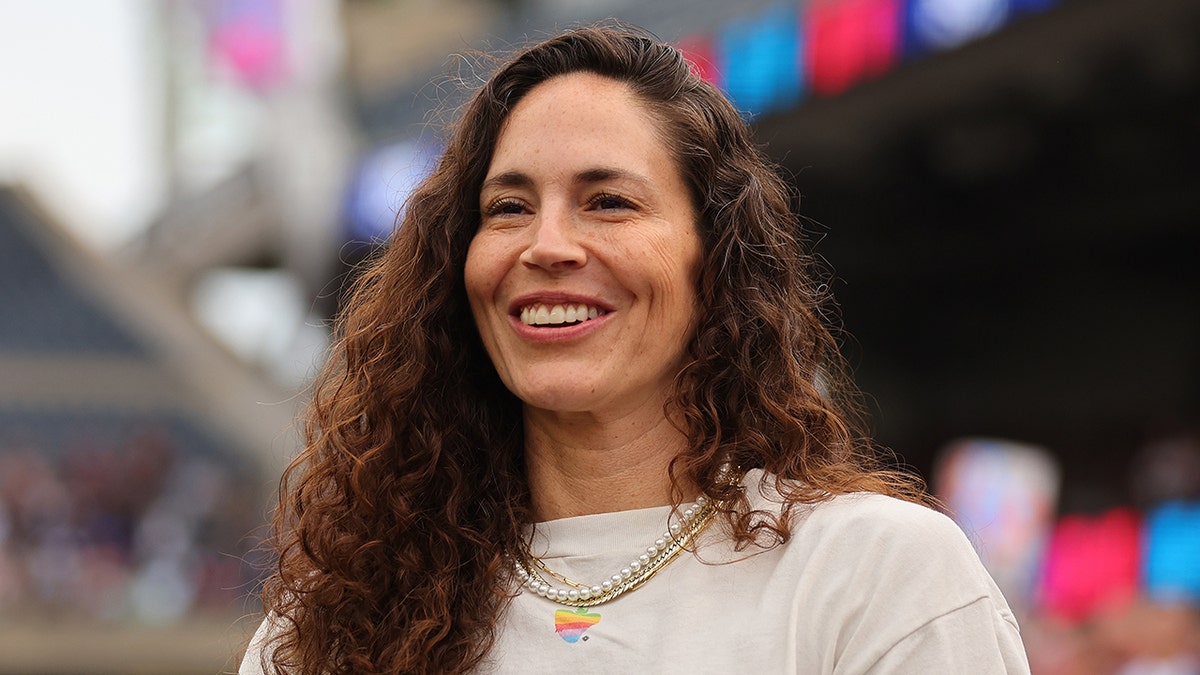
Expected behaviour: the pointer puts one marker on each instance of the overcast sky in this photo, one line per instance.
(80, 117)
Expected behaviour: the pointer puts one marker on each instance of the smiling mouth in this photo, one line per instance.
(559, 315)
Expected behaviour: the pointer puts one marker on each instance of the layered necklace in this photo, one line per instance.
(536, 576)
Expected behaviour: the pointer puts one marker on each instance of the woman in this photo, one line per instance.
(585, 416)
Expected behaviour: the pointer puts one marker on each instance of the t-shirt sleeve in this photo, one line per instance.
(976, 638)
(906, 593)
(252, 661)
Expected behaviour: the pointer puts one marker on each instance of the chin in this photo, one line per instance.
(548, 388)
(564, 401)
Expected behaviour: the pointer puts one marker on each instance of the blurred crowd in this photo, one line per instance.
(1113, 590)
(141, 532)
(147, 532)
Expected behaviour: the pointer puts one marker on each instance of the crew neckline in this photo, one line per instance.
(618, 530)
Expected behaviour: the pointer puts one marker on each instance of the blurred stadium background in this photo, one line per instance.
(1007, 192)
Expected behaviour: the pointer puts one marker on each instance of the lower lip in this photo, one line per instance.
(557, 333)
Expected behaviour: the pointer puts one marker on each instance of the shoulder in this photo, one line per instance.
(885, 582)
(880, 519)
(894, 538)
(254, 658)
(918, 597)
(874, 546)
(864, 518)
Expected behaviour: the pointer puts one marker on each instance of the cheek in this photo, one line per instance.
(685, 280)
(479, 279)
(680, 262)
(476, 272)
(693, 257)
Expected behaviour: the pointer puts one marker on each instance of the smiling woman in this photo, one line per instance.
(585, 416)
(571, 219)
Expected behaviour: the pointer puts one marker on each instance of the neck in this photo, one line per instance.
(579, 465)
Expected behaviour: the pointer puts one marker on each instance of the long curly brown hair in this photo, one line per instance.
(394, 522)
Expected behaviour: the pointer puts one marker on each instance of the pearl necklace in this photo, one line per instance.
(658, 555)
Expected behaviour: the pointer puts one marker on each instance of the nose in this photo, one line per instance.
(553, 242)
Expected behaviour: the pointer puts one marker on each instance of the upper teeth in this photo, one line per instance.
(551, 315)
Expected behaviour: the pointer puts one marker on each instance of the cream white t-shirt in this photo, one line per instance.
(866, 584)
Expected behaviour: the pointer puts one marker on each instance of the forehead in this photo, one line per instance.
(579, 114)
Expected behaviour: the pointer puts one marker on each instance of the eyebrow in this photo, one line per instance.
(507, 179)
(593, 175)
(599, 174)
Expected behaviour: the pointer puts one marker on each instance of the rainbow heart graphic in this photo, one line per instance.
(571, 625)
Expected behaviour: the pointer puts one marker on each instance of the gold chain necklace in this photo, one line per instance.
(532, 573)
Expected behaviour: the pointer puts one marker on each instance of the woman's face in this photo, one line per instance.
(582, 276)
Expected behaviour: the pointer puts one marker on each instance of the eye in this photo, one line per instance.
(606, 201)
(505, 206)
